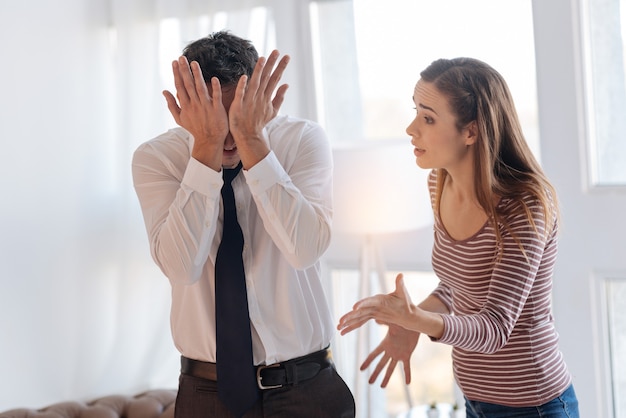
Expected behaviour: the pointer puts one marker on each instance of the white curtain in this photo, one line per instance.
(83, 310)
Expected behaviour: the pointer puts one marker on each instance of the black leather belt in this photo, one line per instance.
(287, 373)
(293, 371)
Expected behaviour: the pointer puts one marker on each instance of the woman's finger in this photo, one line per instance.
(371, 357)
(390, 368)
(407, 371)
(352, 325)
(402, 291)
(352, 321)
(379, 367)
(369, 302)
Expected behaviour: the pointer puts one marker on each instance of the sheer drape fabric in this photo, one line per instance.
(84, 312)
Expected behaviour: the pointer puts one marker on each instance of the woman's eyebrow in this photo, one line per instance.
(428, 108)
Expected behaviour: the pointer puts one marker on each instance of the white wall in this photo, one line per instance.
(591, 246)
(74, 266)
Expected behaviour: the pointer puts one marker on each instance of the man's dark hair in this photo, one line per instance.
(223, 55)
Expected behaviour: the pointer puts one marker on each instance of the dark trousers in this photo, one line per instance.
(324, 396)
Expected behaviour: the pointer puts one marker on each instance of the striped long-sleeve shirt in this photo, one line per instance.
(505, 346)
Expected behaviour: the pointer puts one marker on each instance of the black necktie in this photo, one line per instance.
(236, 377)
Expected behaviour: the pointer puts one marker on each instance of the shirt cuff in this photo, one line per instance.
(265, 174)
(202, 179)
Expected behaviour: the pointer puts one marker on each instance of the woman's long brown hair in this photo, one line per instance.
(504, 164)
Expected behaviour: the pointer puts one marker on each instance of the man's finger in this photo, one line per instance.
(200, 86)
(254, 81)
(240, 90)
(187, 78)
(279, 98)
(216, 91)
(276, 75)
(181, 91)
(266, 75)
(172, 105)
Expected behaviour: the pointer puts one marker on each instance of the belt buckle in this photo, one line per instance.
(259, 377)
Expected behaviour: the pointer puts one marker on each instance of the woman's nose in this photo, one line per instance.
(411, 130)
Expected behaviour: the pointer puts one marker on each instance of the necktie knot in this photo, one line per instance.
(231, 173)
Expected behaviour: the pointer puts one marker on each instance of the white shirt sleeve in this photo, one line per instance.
(296, 206)
(180, 214)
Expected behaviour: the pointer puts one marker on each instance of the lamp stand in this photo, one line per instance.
(371, 262)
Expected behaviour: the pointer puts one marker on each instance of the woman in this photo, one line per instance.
(495, 244)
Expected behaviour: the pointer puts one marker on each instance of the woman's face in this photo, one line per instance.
(437, 141)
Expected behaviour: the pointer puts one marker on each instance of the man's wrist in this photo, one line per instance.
(211, 156)
(252, 149)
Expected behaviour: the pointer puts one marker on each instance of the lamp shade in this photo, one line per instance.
(378, 188)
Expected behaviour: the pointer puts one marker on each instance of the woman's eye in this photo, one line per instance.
(427, 118)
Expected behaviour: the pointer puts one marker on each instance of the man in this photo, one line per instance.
(227, 103)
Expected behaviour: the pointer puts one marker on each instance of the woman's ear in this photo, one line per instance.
(471, 133)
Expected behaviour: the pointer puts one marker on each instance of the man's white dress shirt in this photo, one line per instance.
(284, 208)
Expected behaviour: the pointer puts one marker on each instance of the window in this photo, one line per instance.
(609, 292)
(367, 68)
(606, 89)
(616, 300)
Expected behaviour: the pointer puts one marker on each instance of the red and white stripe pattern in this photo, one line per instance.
(501, 327)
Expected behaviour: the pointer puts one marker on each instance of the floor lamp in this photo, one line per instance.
(378, 189)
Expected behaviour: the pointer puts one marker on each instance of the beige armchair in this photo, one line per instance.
(150, 404)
